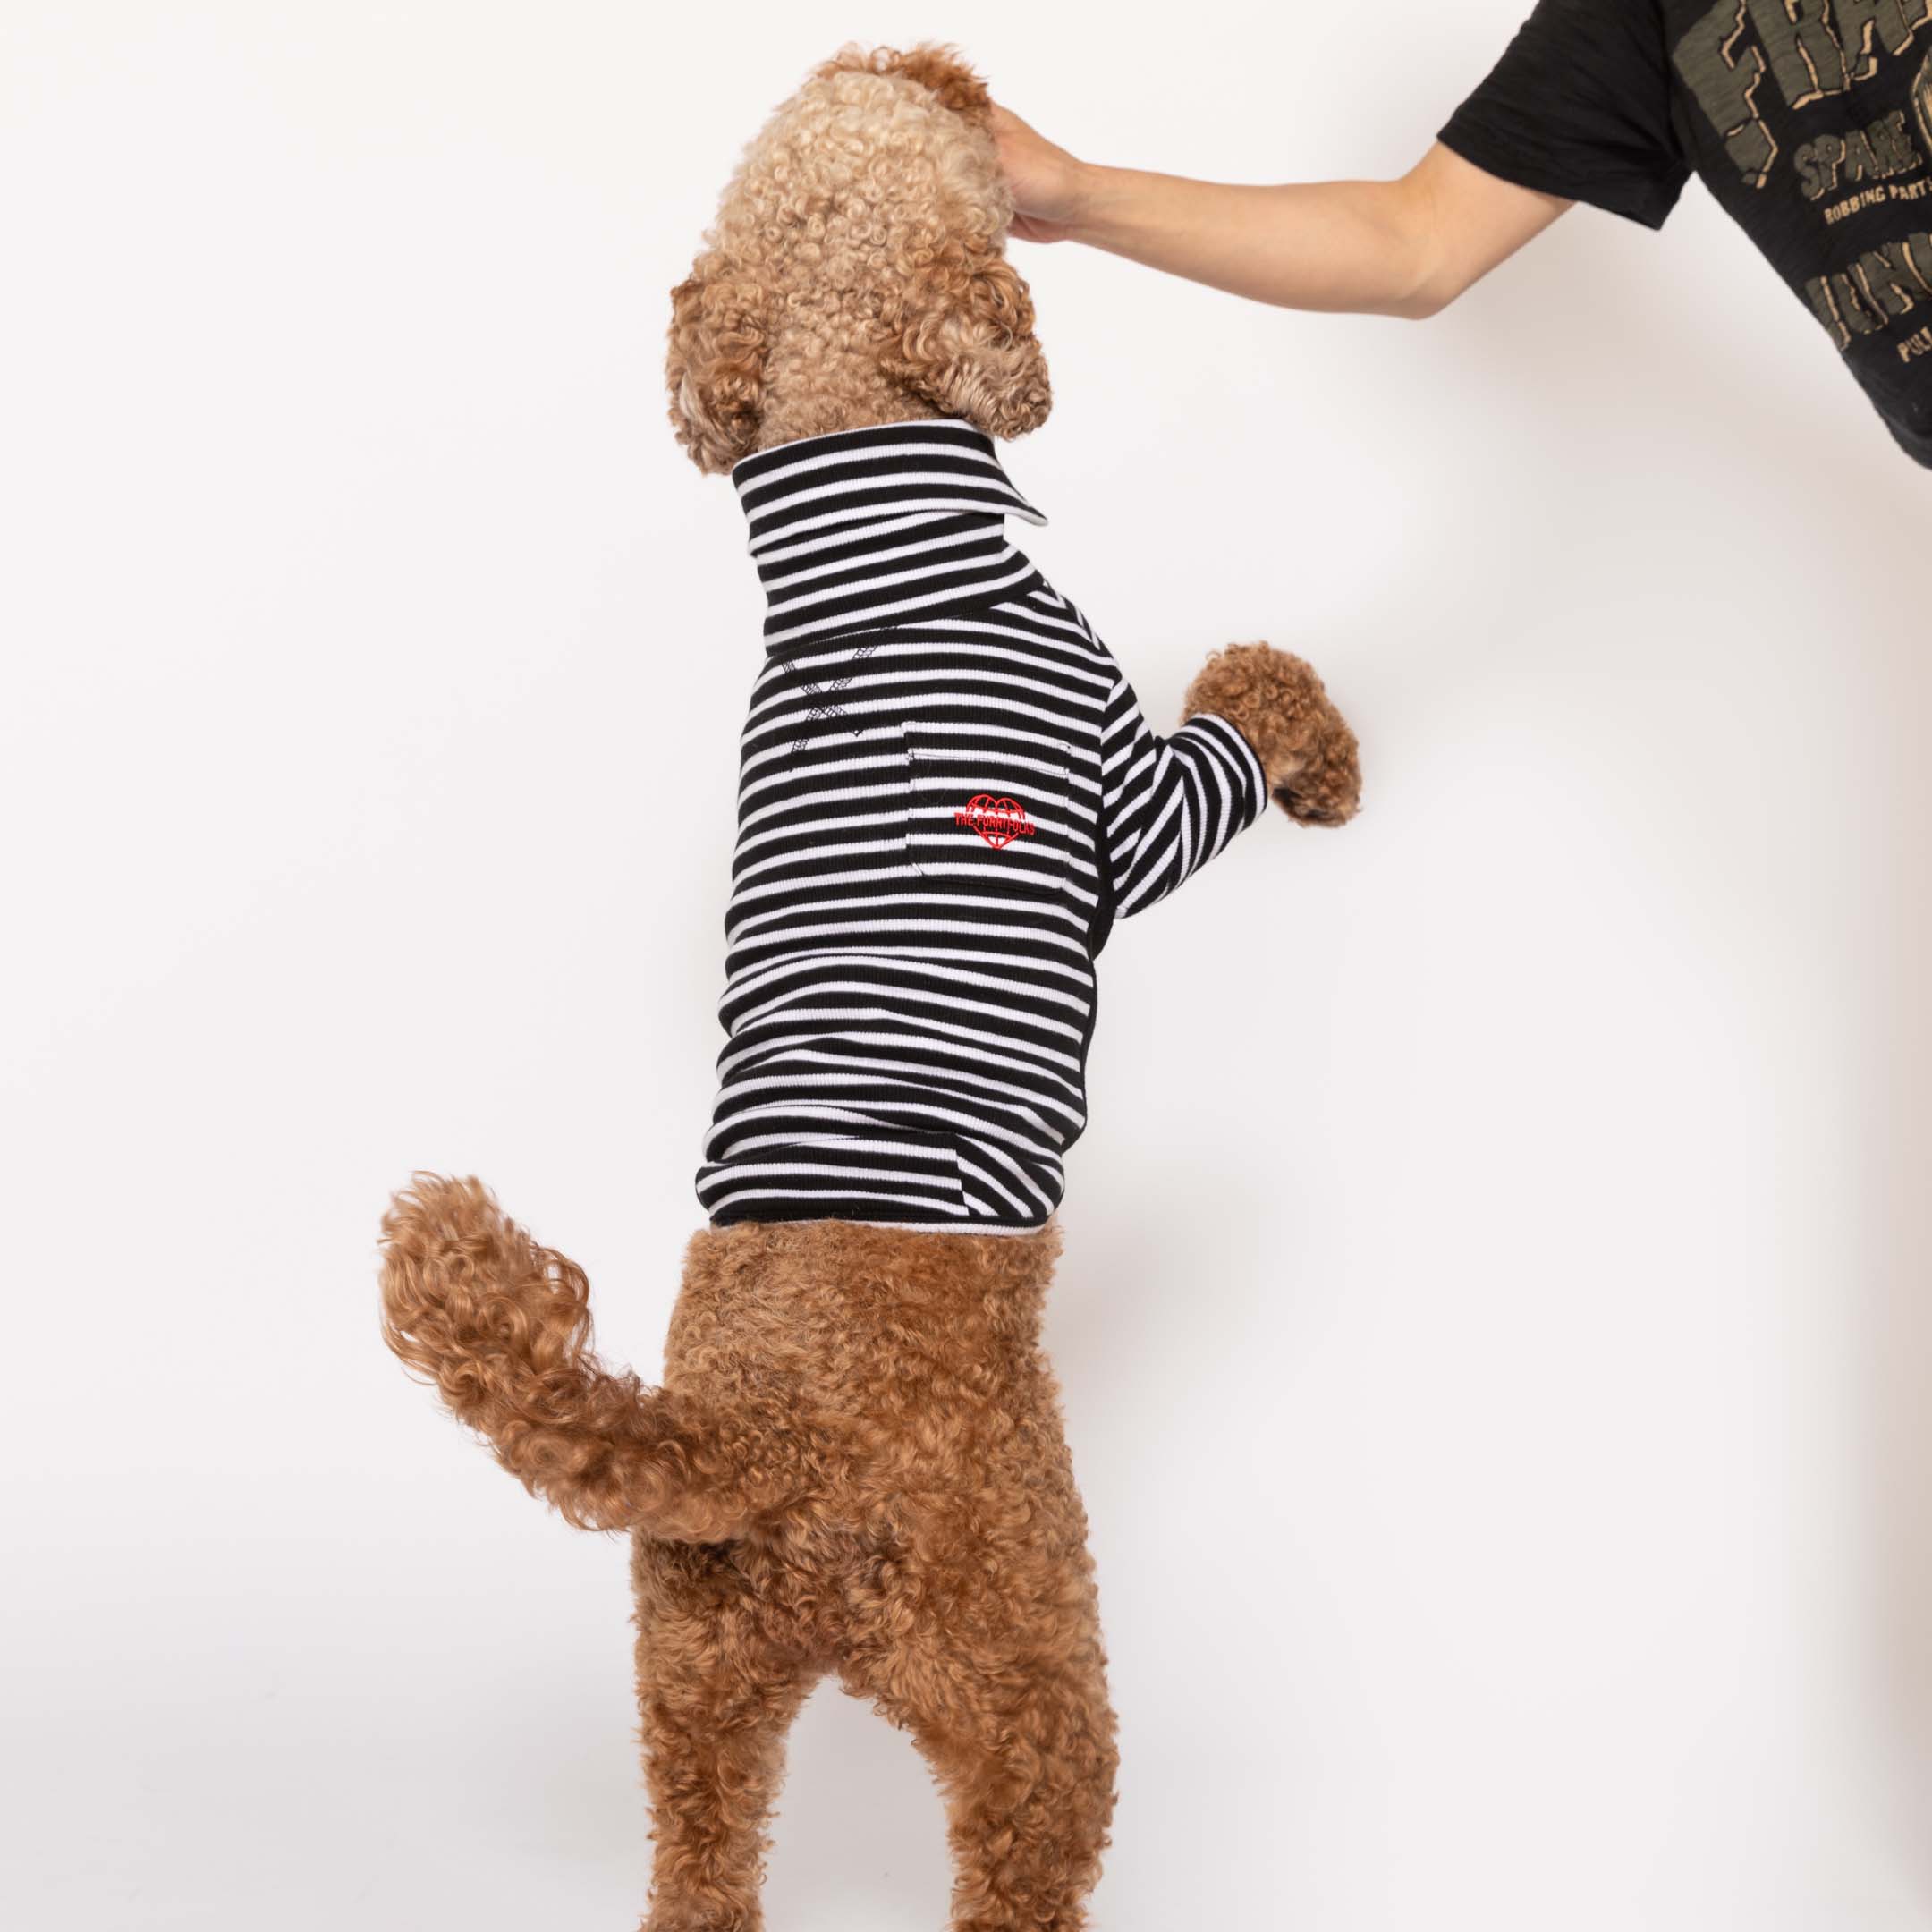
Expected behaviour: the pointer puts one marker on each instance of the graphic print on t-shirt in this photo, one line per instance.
(1814, 50)
(1742, 52)
(1851, 172)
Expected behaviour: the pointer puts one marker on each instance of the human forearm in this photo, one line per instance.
(1351, 246)
(1405, 248)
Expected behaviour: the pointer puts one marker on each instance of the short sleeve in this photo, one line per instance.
(1579, 106)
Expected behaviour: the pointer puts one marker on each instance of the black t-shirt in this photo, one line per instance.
(1814, 132)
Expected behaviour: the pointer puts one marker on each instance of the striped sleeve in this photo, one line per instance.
(1169, 805)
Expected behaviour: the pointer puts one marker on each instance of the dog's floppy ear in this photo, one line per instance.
(966, 344)
(716, 368)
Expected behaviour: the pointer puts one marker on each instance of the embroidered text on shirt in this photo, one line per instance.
(999, 821)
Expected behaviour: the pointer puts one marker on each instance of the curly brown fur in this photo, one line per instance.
(856, 273)
(856, 1465)
(949, 1583)
(1305, 745)
(941, 71)
(502, 1326)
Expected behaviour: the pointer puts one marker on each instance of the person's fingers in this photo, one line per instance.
(1019, 145)
(1043, 178)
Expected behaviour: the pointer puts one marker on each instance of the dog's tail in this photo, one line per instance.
(502, 1326)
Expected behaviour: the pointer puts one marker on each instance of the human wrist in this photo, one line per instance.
(1093, 198)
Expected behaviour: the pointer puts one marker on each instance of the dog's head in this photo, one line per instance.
(857, 271)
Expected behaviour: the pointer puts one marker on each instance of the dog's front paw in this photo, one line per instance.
(1321, 784)
(1277, 702)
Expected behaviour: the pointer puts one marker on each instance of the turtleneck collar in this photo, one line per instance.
(871, 528)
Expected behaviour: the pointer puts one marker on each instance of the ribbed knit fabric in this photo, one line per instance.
(948, 794)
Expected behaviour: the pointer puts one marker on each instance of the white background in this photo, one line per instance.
(1494, 1322)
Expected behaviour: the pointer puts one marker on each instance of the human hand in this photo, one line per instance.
(1048, 184)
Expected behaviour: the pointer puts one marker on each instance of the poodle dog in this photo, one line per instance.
(856, 1463)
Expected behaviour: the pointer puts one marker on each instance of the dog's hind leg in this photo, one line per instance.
(724, 1661)
(982, 1639)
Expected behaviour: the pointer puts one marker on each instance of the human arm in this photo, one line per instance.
(1406, 248)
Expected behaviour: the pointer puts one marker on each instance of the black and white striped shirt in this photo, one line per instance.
(948, 796)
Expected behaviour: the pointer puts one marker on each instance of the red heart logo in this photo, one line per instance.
(999, 821)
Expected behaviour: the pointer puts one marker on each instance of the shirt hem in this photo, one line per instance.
(908, 1227)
